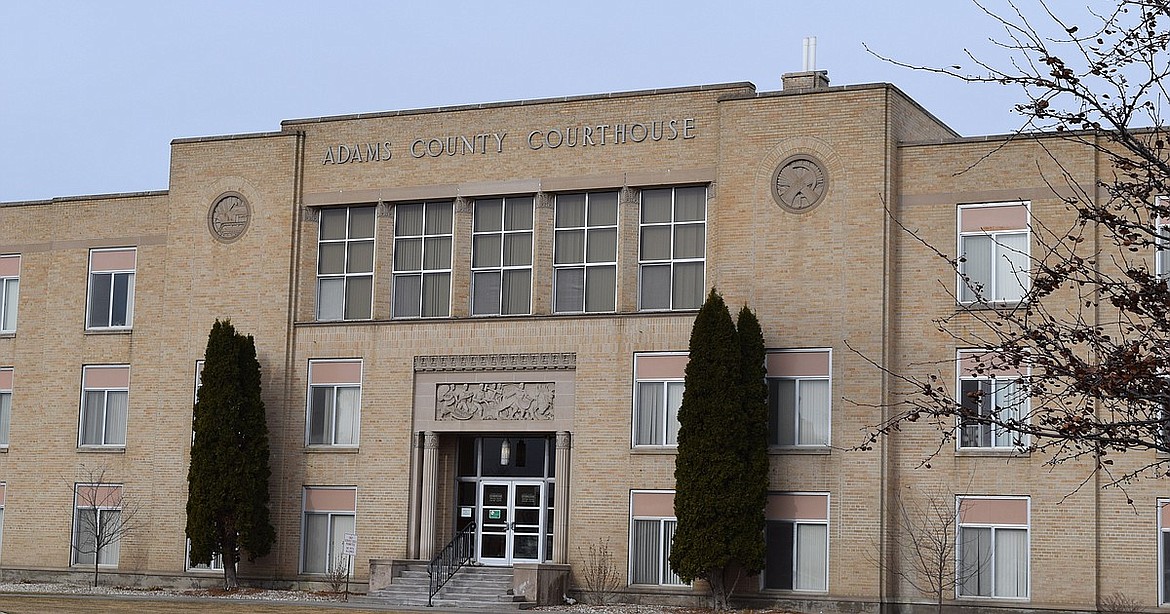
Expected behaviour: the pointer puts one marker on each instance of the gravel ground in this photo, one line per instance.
(304, 596)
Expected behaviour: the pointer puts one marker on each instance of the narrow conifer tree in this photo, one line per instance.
(751, 488)
(708, 460)
(227, 502)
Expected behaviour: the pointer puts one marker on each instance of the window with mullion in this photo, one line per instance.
(501, 256)
(333, 413)
(585, 253)
(345, 263)
(323, 537)
(672, 248)
(422, 259)
(798, 411)
(103, 418)
(656, 412)
(651, 539)
(9, 297)
(797, 555)
(986, 398)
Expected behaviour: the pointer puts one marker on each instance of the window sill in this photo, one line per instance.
(799, 450)
(206, 571)
(331, 449)
(7, 334)
(4, 449)
(982, 599)
(654, 450)
(102, 449)
(989, 305)
(108, 331)
(791, 591)
(992, 452)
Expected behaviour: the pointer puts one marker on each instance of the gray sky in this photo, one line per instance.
(92, 92)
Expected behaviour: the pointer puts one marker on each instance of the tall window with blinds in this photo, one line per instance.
(993, 547)
(799, 397)
(335, 395)
(501, 257)
(672, 248)
(105, 398)
(422, 259)
(585, 252)
(989, 393)
(652, 527)
(797, 542)
(658, 390)
(345, 263)
(994, 252)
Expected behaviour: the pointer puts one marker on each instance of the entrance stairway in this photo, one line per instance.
(473, 587)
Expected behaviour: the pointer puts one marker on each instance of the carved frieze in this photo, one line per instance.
(494, 401)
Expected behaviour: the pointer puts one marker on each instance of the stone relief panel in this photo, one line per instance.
(522, 401)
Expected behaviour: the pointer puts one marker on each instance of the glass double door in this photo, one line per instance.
(511, 521)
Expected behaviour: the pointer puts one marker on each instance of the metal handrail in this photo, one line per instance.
(454, 555)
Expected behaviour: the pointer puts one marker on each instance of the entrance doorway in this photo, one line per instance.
(510, 522)
(505, 484)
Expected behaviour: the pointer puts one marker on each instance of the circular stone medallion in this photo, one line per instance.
(799, 183)
(229, 217)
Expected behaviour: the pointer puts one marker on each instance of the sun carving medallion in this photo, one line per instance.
(799, 183)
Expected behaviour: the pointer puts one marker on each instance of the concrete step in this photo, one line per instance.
(472, 587)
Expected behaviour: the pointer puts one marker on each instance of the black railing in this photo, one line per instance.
(454, 555)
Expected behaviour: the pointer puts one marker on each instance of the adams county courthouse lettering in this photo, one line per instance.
(473, 325)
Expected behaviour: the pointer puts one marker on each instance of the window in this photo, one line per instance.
(422, 259)
(672, 248)
(330, 513)
(501, 256)
(993, 547)
(345, 264)
(585, 253)
(1163, 550)
(993, 242)
(104, 399)
(658, 391)
(797, 542)
(3, 491)
(652, 525)
(335, 394)
(986, 393)
(799, 400)
(216, 561)
(9, 292)
(111, 288)
(5, 405)
(97, 523)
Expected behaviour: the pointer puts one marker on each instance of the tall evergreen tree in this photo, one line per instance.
(227, 502)
(751, 487)
(708, 461)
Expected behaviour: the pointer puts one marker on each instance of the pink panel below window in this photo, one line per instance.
(967, 365)
(1165, 508)
(798, 507)
(3, 491)
(5, 379)
(330, 500)
(654, 504)
(993, 511)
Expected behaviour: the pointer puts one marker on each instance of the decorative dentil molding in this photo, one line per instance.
(566, 361)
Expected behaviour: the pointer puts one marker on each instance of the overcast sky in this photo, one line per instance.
(92, 92)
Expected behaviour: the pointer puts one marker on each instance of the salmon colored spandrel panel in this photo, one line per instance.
(89, 495)
(113, 260)
(987, 219)
(798, 507)
(798, 364)
(336, 372)
(662, 367)
(107, 377)
(1165, 505)
(5, 379)
(654, 504)
(969, 361)
(330, 500)
(993, 511)
(3, 489)
(9, 266)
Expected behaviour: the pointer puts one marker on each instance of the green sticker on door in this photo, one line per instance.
(494, 514)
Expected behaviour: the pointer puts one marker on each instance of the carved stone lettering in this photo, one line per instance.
(494, 401)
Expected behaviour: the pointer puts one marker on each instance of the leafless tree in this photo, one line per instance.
(103, 515)
(1091, 333)
(928, 545)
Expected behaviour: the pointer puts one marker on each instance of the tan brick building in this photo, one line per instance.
(481, 314)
